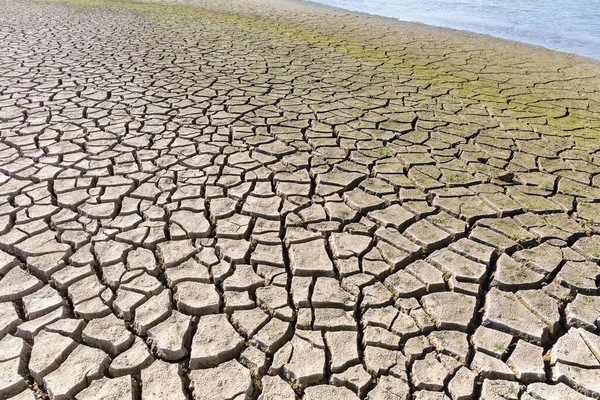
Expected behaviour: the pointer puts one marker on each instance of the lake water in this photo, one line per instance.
(572, 26)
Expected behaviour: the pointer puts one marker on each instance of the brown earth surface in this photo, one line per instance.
(276, 200)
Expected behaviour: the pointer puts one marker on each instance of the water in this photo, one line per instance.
(571, 26)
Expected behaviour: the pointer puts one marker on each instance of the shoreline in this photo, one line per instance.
(466, 32)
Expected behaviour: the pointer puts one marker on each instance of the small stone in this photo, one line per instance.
(506, 176)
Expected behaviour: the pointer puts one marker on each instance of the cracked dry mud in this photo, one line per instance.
(273, 200)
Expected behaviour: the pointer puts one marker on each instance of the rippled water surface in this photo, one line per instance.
(566, 25)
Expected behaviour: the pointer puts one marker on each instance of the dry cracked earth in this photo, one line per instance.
(271, 200)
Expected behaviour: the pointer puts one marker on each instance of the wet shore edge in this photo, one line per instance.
(488, 39)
